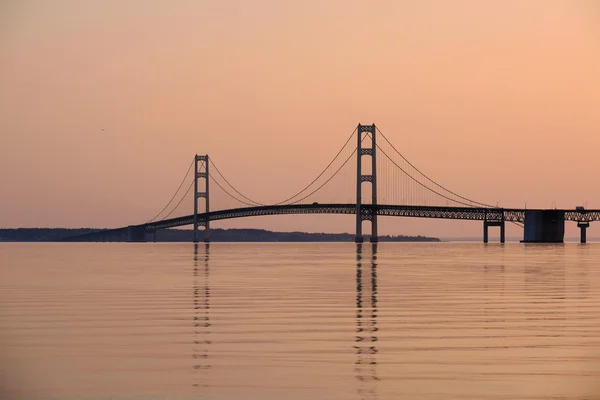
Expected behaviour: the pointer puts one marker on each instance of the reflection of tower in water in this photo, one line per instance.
(366, 325)
(201, 320)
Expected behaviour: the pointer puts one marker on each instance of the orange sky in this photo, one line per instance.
(498, 101)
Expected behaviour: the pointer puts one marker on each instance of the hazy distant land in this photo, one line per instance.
(216, 235)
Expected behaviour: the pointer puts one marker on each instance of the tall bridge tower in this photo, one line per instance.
(201, 172)
(366, 211)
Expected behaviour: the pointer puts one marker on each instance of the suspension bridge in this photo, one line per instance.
(397, 189)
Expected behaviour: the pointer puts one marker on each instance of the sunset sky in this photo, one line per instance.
(104, 103)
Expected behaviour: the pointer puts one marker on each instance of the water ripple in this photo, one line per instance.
(298, 321)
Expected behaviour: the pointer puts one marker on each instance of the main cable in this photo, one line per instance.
(230, 185)
(177, 191)
(327, 181)
(229, 194)
(186, 192)
(431, 180)
(321, 174)
(421, 184)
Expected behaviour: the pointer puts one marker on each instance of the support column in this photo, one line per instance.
(371, 213)
(544, 226)
(207, 198)
(374, 236)
(583, 227)
(196, 198)
(502, 231)
(485, 232)
(359, 237)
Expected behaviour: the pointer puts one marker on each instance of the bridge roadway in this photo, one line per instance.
(461, 213)
(491, 215)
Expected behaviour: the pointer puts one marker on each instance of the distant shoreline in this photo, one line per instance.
(185, 235)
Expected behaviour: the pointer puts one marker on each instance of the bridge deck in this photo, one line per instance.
(460, 213)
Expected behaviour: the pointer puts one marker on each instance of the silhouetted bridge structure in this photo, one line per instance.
(413, 193)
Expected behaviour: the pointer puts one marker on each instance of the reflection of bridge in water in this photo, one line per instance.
(366, 324)
(201, 318)
(398, 189)
(365, 342)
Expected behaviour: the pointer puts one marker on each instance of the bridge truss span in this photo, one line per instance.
(582, 216)
(387, 210)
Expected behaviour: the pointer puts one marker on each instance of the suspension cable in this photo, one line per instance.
(186, 192)
(327, 181)
(289, 198)
(426, 187)
(177, 191)
(229, 194)
(321, 174)
(429, 179)
(230, 185)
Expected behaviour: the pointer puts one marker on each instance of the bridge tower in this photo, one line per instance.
(366, 212)
(201, 172)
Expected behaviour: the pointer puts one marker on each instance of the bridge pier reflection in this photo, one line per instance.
(366, 325)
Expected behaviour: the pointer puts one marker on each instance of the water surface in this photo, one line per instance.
(299, 321)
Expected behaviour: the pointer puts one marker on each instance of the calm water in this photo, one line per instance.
(299, 321)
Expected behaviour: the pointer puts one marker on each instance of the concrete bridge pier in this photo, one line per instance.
(136, 233)
(544, 226)
(583, 227)
(485, 232)
(487, 224)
